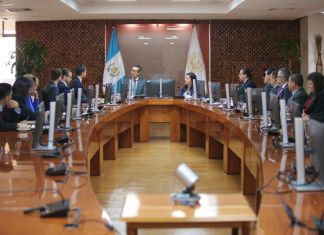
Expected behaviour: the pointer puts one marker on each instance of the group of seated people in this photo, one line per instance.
(20, 101)
(290, 87)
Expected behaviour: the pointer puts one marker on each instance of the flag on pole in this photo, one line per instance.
(195, 61)
(114, 68)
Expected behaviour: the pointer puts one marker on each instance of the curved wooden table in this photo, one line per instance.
(239, 143)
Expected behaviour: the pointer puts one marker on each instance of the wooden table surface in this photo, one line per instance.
(243, 148)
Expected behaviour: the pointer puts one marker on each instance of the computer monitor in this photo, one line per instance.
(200, 88)
(316, 136)
(275, 110)
(153, 88)
(234, 93)
(256, 100)
(40, 120)
(59, 109)
(216, 90)
(108, 92)
(124, 89)
(90, 95)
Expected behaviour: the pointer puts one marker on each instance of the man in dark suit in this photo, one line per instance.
(65, 80)
(282, 79)
(273, 81)
(295, 85)
(81, 74)
(267, 77)
(138, 84)
(246, 79)
(9, 109)
(50, 91)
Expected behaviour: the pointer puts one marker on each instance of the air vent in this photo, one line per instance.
(11, 10)
(273, 9)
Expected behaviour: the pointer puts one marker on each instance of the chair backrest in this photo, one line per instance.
(316, 136)
(216, 90)
(233, 93)
(275, 110)
(200, 88)
(295, 109)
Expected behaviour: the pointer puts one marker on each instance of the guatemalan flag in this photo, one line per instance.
(114, 69)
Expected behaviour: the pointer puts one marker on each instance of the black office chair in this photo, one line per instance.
(295, 110)
(316, 136)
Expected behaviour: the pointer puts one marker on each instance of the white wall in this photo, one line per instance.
(315, 27)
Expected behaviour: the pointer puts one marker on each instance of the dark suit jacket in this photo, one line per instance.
(275, 89)
(25, 113)
(268, 87)
(49, 93)
(285, 94)
(76, 83)
(62, 87)
(242, 87)
(8, 119)
(141, 87)
(300, 96)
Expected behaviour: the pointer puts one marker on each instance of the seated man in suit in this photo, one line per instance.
(64, 81)
(9, 109)
(295, 85)
(246, 80)
(50, 91)
(138, 84)
(273, 81)
(81, 74)
(267, 80)
(282, 79)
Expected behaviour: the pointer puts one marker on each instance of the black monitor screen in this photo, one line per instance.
(38, 132)
(275, 110)
(316, 136)
(90, 95)
(216, 90)
(200, 88)
(153, 88)
(108, 89)
(233, 93)
(59, 108)
(256, 100)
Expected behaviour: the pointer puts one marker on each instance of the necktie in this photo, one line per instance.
(279, 92)
(134, 87)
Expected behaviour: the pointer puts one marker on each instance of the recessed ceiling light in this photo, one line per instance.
(6, 4)
(172, 43)
(171, 37)
(322, 11)
(174, 28)
(146, 43)
(144, 38)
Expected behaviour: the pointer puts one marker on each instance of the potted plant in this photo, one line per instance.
(30, 57)
(289, 49)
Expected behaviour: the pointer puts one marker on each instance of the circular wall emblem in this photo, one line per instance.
(113, 70)
(195, 62)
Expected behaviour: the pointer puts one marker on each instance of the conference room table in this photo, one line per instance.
(224, 135)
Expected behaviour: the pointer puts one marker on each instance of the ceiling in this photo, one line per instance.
(36, 10)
